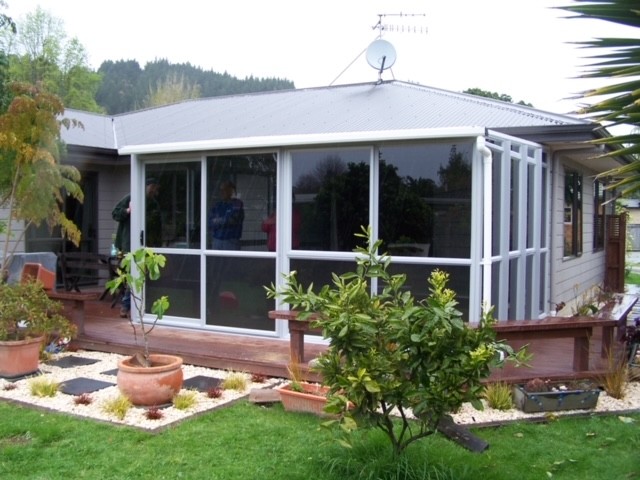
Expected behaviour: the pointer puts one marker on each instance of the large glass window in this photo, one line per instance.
(172, 205)
(180, 281)
(572, 214)
(425, 199)
(235, 292)
(331, 189)
(241, 195)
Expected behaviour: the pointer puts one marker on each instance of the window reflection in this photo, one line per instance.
(235, 292)
(425, 200)
(241, 194)
(180, 281)
(332, 196)
(175, 222)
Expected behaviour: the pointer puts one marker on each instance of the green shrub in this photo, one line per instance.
(392, 354)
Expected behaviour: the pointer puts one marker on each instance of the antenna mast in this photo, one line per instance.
(404, 28)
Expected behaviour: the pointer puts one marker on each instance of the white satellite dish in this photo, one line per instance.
(381, 55)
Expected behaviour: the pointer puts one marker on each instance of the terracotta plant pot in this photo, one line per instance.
(311, 400)
(150, 386)
(19, 357)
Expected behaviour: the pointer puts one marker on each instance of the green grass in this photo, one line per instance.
(246, 442)
(632, 278)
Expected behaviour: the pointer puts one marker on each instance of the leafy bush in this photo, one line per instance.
(392, 355)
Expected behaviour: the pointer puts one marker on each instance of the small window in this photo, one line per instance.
(572, 214)
(599, 199)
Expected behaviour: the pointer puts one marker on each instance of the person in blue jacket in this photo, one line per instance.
(225, 219)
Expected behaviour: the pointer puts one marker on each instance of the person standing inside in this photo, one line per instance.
(225, 219)
(122, 214)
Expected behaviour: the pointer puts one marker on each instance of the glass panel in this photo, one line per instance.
(417, 276)
(173, 205)
(180, 281)
(543, 196)
(332, 194)
(319, 272)
(531, 188)
(542, 306)
(496, 184)
(425, 199)
(241, 195)
(235, 292)
(495, 290)
(515, 204)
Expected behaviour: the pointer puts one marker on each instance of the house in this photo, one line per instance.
(501, 196)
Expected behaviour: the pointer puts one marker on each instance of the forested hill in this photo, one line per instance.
(126, 86)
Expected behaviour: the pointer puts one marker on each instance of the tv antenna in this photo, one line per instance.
(408, 27)
(381, 55)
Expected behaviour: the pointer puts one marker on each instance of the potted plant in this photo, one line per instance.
(538, 395)
(28, 317)
(145, 378)
(300, 396)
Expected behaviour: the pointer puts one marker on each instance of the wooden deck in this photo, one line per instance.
(106, 332)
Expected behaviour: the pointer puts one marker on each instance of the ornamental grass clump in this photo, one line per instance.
(43, 387)
(499, 395)
(391, 355)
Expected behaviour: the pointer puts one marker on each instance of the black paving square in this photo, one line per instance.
(113, 371)
(71, 361)
(80, 385)
(201, 383)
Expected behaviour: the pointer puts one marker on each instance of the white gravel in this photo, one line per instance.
(629, 403)
(136, 415)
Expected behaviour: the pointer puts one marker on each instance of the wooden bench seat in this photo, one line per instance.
(79, 268)
(578, 328)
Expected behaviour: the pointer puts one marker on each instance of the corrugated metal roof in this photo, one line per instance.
(366, 107)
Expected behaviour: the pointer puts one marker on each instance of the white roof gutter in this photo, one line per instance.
(305, 140)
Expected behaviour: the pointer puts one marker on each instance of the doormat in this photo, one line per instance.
(81, 385)
(72, 361)
(95, 378)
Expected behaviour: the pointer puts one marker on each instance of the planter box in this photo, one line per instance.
(311, 400)
(530, 402)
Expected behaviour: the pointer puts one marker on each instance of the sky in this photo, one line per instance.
(522, 48)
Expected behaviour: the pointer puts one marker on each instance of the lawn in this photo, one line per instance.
(632, 278)
(247, 441)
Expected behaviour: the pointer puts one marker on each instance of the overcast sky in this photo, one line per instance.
(517, 47)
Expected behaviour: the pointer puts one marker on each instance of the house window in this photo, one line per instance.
(331, 188)
(599, 198)
(572, 214)
(425, 199)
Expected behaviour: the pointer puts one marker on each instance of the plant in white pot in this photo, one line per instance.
(28, 317)
(145, 378)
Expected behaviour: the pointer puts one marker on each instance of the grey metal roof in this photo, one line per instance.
(368, 107)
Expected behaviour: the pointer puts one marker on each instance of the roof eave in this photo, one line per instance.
(277, 141)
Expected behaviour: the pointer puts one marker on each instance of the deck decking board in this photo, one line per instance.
(105, 331)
